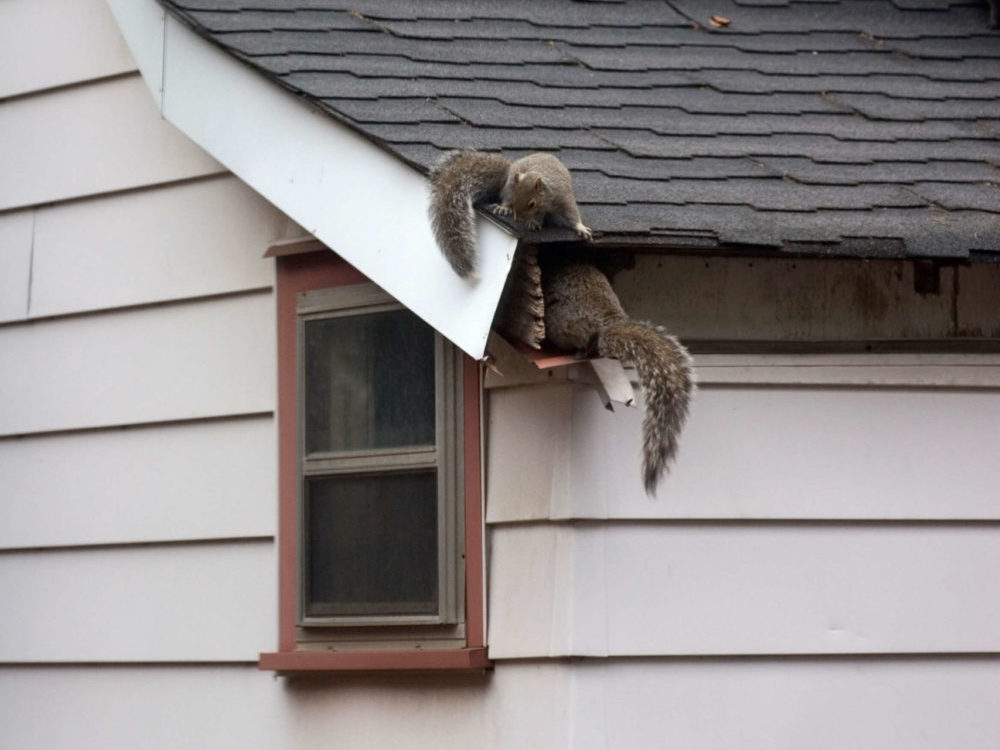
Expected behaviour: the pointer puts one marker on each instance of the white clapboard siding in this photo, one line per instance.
(181, 361)
(827, 704)
(187, 602)
(690, 704)
(15, 264)
(192, 480)
(90, 139)
(187, 240)
(156, 708)
(751, 451)
(525, 706)
(46, 43)
(238, 707)
(658, 588)
(710, 705)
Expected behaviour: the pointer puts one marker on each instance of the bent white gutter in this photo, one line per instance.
(357, 199)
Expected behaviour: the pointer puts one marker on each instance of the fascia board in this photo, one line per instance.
(357, 199)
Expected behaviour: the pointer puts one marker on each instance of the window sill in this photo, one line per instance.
(291, 662)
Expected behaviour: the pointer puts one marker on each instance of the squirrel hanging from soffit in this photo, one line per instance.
(582, 312)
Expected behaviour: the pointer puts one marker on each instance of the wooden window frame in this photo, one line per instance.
(444, 456)
(320, 270)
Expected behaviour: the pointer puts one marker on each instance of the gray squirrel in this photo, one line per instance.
(583, 313)
(532, 188)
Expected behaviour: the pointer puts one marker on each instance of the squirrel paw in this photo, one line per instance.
(500, 209)
(584, 232)
(532, 225)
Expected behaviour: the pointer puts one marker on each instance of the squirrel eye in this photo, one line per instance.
(531, 204)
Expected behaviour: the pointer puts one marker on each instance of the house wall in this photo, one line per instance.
(814, 573)
(798, 521)
(138, 494)
(817, 570)
(137, 450)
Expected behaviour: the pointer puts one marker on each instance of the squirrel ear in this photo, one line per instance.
(517, 177)
(539, 184)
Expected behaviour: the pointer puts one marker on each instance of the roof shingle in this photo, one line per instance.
(869, 127)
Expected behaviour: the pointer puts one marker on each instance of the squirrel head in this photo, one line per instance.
(530, 196)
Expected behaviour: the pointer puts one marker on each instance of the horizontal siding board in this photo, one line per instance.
(633, 589)
(788, 705)
(236, 707)
(152, 707)
(202, 480)
(432, 712)
(722, 705)
(175, 242)
(188, 602)
(924, 370)
(180, 361)
(91, 139)
(15, 264)
(883, 370)
(47, 43)
(528, 453)
(751, 451)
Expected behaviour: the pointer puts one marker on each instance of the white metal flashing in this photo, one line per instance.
(358, 200)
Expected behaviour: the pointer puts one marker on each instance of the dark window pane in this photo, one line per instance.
(369, 382)
(372, 544)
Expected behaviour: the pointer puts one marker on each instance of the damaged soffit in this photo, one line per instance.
(865, 128)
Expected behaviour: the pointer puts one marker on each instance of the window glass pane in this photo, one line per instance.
(372, 544)
(369, 382)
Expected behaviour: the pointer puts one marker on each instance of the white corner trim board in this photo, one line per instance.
(357, 199)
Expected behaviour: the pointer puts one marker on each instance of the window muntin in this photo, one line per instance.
(380, 464)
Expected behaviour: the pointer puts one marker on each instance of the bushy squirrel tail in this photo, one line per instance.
(667, 380)
(583, 312)
(459, 180)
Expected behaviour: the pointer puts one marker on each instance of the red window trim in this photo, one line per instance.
(369, 661)
(320, 270)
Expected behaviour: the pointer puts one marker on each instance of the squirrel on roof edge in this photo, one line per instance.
(582, 311)
(532, 188)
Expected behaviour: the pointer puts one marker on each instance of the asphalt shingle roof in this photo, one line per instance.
(854, 127)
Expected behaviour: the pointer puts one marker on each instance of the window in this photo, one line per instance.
(380, 538)
(380, 458)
